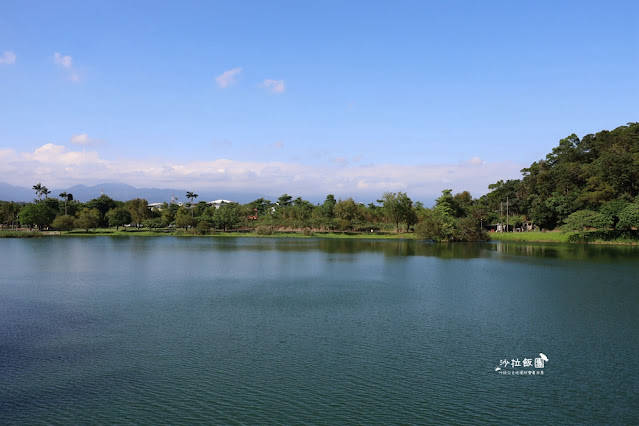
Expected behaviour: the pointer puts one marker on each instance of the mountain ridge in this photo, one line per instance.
(122, 192)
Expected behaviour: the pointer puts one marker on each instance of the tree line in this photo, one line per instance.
(393, 212)
(587, 183)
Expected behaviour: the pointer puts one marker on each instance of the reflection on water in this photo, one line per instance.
(402, 247)
(590, 252)
(331, 331)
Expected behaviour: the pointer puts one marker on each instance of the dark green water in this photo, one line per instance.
(256, 331)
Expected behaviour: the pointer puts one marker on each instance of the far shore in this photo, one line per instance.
(533, 237)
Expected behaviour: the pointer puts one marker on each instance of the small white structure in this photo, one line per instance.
(218, 203)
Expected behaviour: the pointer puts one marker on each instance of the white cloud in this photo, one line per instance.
(228, 77)
(61, 166)
(8, 57)
(274, 86)
(63, 61)
(475, 160)
(83, 139)
(66, 62)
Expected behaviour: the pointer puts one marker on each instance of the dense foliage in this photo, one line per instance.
(582, 183)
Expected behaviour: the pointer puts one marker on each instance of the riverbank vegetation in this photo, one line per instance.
(588, 188)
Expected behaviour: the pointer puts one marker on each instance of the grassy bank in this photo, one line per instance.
(221, 234)
(589, 237)
(578, 237)
(20, 234)
(541, 237)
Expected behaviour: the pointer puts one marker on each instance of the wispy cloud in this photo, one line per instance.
(66, 62)
(277, 144)
(227, 78)
(274, 86)
(83, 139)
(63, 61)
(61, 166)
(8, 57)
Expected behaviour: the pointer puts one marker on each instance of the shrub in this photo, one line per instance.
(585, 219)
(155, 223)
(64, 223)
(629, 217)
(203, 227)
(264, 230)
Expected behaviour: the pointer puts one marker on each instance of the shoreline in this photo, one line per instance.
(530, 237)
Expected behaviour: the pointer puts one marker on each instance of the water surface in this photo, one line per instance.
(171, 330)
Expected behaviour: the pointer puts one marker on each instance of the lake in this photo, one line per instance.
(262, 331)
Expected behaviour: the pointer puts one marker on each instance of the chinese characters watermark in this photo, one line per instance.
(515, 366)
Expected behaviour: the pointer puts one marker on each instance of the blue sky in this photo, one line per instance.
(309, 98)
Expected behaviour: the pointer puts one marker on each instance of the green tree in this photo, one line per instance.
(629, 217)
(467, 229)
(431, 227)
(103, 203)
(9, 213)
(139, 209)
(38, 214)
(64, 223)
(284, 200)
(261, 205)
(203, 227)
(227, 216)
(585, 219)
(183, 219)
(398, 207)
(191, 196)
(66, 197)
(168, 212)
(89, 218)
(41, 190)
(328, 206)
(612, 209)
(346, 209)
(119, 216)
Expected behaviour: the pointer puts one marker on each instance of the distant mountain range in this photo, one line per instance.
(124, 192)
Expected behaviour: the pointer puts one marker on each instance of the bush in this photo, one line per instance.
(467, 229)
(625, 236)
(307, 232)
(264, 230)
(343, 224)
(585, 219)
(20, 234)
(64, 223)
(155, 223)
(203, 227)
(629, 217)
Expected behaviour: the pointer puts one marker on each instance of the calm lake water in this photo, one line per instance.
(257, 331)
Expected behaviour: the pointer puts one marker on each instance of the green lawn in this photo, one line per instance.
(542, 237)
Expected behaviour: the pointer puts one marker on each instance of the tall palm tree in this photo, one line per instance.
(64, 196)
(191, 196)
(38, 189)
